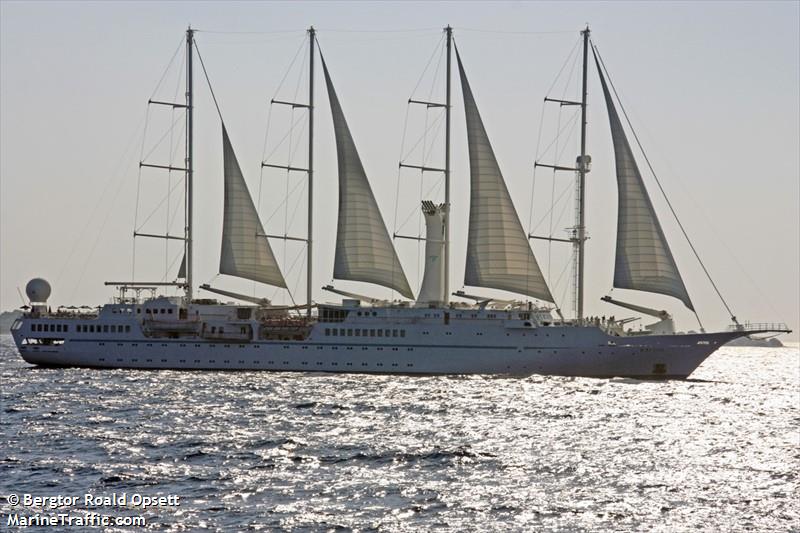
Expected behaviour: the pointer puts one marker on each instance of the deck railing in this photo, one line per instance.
(760, 326)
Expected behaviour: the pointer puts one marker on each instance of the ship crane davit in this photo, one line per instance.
(665, 324)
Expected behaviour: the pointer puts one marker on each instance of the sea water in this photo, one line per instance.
(231, 451)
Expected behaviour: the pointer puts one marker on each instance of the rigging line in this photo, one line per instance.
(166, 134)
(567, 124)
(566, 189)
(283, 139)
(435, 78)
(436, 49)
(563, 208)
(561, 276)
(250, 32)
(572, 125)
(172, 264)
(166, 70)
(407, 30)
(126, 156)
(561, 70)
(172, 154)
(402, 148)
(436, 126)
(285, 200)
(103, 225)
(536, 158)
(702, 328)
(661, 188)
(300, 253)
(289, 68)
(157, 207)
(138, 192)
(296, 207)
(263, 153)
(511, 32)
(434, 123)
(208, 80)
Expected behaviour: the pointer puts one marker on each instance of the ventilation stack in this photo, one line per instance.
(432, 292)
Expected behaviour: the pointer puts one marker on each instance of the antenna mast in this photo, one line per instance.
(189, 162)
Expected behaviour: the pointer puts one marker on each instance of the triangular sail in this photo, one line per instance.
(644, 261)
(182, 268)
(498, 253)
(246, 253)
(364, 251)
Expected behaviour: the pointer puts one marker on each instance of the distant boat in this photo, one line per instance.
(426, 334)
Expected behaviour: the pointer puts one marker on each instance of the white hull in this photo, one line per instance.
(482, 346)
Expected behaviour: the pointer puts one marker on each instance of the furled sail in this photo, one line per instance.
(644, 261)
(364, 251)
(498, 253)
(246, 253)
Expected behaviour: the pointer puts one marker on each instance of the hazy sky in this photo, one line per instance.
(712, 88)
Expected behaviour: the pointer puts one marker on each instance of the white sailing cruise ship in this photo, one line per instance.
(426, 334)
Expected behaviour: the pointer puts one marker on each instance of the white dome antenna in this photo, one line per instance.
(38, 290)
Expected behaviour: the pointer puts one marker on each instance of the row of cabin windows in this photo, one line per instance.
(61, 328)
(156, 311)
(333, 315)
(350, 332)
(113, 328)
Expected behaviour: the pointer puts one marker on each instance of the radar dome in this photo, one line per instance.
(38, 290)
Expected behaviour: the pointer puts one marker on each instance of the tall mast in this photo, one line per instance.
(449, 32)
(189, 161)
(583, 166)
(309, 255)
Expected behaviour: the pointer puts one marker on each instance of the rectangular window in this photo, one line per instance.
(169, 310)
(113, 329)
(358, 332)
(91, 329)
(380, 333)
(394, 333)
(66, 328)
(341, 332)
(105, 329)
(388, 333)
(127, 329)
(402, 333)
(327, 331)
(58, 327)
(372, 333)
(335, 332)
(349, 332)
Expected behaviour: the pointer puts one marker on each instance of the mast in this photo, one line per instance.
(309, 255)
(447, 108)
(189, 162)
(580, 237)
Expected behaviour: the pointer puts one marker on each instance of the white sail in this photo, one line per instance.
(498, 253)
(364, 251)
(246, 253)
(644, 261)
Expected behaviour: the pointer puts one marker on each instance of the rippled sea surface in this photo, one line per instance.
(306, 452)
